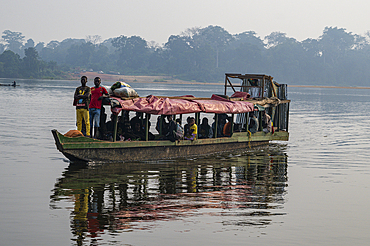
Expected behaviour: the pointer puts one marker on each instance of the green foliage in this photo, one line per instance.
(13, 40)
(337, 57)
(11, 64)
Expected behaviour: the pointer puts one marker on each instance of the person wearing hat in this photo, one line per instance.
(253, 122)
(81, 101)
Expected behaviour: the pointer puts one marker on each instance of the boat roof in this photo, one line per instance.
(249, 76)
(182, 105)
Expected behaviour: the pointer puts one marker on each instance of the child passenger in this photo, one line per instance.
(193, 129)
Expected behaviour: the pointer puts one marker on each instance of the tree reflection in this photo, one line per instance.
(115, 197)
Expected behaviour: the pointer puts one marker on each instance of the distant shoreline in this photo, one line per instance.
(330, 87)
(167, 80)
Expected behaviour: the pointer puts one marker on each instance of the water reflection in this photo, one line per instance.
(245, 189)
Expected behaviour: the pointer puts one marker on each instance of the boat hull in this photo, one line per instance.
(87, 149)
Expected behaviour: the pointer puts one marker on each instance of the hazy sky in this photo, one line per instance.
(155, 20)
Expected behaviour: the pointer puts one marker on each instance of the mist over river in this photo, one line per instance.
(312, 190)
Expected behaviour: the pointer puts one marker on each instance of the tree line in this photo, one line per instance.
(337, 57)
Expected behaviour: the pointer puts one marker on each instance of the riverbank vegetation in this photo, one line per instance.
(337, 57)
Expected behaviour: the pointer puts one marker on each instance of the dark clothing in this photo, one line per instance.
(165, 125)
(253, 125)
(135, 120)
(220, 128)
(204, 131)
(139, 133)
(82, 102)
(124, 129)
(170, 132)
(186, 129)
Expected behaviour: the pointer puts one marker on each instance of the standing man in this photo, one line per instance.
(97, 94)
(253, 124)
(81, 101)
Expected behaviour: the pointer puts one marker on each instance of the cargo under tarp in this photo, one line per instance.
(171, 106)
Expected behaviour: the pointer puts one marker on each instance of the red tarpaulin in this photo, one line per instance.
(169, 106)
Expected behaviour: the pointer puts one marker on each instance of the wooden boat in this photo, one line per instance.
(271, 98)
(14, 85)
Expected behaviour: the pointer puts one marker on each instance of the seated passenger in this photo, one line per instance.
(110, 126)
(124, 127)
(266, 122)
(179, 133)
(136, 119)
(138, 132)
(150, 135)
(205, 130)
(220, 125)
(193, 129)
(170, 135)
(187, 126)
(227, 128)
(253, 122)
(164, 129)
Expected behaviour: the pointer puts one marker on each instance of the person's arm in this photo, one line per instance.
(194, 132)
(105, 94)
(76, 94)
(82, 96)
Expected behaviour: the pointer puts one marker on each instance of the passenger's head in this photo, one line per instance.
(97, 81)
(126, 115)
(178, 121)
(192, 121)
(188, 120)
(169, 117)
(83, 80)
(204, 121)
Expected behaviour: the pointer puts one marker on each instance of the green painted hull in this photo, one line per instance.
(87, 149)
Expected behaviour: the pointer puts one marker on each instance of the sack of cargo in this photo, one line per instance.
(125, 92)
(108, 88)
(73, 134)
(119, 84)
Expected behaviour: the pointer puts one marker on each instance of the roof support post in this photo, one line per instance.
(115, 119)
(232, 125)
(247, 122)
(147, 127)
(160, 125)
(216, 125)
(277, 121)
(197, 119)
(260, 121)
(287, 118)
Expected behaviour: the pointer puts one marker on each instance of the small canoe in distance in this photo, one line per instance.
(9, 85)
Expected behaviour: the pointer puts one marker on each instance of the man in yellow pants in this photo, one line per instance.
(81, 101)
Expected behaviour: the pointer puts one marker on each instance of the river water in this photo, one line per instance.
(312, 190)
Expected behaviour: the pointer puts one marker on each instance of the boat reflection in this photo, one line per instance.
(249, 187)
